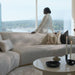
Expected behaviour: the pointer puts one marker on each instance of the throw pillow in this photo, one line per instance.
(6, 45)
(63, 38)
(50, 38)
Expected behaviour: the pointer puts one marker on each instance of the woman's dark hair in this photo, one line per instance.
(47, 10)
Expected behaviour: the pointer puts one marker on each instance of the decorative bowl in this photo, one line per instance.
(53, 64)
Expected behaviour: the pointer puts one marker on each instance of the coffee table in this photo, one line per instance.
(63, 69)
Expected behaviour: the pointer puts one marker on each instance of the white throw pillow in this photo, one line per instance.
(0, 37)
(6, 45)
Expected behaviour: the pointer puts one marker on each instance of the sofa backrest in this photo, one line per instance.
(23, 38)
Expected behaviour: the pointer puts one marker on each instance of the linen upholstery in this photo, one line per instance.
(8, 61)
(30, 53)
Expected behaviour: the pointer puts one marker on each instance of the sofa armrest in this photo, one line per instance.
(72, 38)
(8, 61)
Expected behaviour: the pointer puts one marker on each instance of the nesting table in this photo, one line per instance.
(63, 69)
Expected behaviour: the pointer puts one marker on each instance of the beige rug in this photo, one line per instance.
(26, 70)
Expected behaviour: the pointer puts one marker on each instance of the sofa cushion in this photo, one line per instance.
(8, 61)
(30, 53)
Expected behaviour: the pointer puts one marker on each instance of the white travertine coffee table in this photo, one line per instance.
(63, 69)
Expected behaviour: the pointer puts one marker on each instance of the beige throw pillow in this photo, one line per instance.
(52, 38)
(6, 45)
(49, 39)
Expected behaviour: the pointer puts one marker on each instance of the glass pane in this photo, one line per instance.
(61, 13)
(18, 15)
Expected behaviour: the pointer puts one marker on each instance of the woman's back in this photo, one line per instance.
(45, 24)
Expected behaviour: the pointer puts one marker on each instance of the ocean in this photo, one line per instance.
(29, 25)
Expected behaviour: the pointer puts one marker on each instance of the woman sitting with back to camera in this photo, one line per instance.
(46, 22)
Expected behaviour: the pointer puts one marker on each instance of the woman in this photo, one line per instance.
(46, 22)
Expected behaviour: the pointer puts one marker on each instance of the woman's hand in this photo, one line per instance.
(33, 32)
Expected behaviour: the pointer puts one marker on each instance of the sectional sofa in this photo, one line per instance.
(27, 48)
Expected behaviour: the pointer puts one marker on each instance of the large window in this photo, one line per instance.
(18, 15)
(22, 15)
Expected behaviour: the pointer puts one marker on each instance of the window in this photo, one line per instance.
(18, 15)
(61, 13)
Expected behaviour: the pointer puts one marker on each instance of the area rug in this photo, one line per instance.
(26, 70)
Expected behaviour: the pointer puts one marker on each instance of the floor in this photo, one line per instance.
(26, 70)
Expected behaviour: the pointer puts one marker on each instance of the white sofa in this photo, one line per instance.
(26, 49)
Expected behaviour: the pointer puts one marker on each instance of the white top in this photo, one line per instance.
(41, 65)
(45, 24)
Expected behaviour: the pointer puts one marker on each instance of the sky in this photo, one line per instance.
(12, 10)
